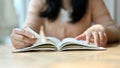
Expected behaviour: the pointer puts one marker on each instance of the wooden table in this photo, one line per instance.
(67, 59)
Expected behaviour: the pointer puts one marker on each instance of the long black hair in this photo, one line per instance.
(52, 11)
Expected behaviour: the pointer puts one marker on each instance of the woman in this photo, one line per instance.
(81, 19)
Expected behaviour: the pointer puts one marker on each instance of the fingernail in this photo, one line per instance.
(87, 41)
(32, 36)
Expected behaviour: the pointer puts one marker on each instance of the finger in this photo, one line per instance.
(105, 41)
(24, 39)
(23, 32)
(88, 36)
(96, 38)
(80, 37)
(102, 39)
(20, 44)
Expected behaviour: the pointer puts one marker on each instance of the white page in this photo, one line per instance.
(55, 40)
(74, 41)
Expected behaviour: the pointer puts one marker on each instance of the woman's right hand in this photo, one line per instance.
(21, 38)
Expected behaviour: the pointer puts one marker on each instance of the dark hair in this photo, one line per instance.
(52, 11)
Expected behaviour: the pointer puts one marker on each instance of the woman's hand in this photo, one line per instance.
(96, 34)
(21, 38)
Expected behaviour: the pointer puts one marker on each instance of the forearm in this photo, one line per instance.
(112, 33)
(33, 23)
(36, 28)
(32, 19)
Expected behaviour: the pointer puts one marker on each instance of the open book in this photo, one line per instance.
(55, 44)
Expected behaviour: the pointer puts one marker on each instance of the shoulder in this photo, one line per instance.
(98, 5)
(96, 2)
(37, 3)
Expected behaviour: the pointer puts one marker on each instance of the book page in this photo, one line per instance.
(76, 44)
(75, 47)
(55, 40)
(49, 43)
(39, 46)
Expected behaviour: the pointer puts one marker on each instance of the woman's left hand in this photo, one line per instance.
(96, 34)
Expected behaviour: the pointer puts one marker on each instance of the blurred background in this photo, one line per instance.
(13, 13)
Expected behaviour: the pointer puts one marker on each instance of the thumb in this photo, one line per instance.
(81, 37)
